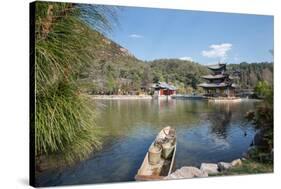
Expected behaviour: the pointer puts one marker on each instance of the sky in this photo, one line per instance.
(204, 37)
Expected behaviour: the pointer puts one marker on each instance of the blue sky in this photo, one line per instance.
(204, 37)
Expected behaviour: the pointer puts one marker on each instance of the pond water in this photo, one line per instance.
(206, 132)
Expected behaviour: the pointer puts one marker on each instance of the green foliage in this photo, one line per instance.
(248, 167)
(115, 70)
(65, 118)
(131, 74)
(264, 90)
(251, 74)
(111, 84)
(263, 120)
(65, 122)
(189, 90)
(178, 71)
(262, 117)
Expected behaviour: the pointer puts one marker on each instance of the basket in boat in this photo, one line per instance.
(154, 154)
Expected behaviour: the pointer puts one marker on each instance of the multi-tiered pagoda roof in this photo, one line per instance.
(219, 82)
(210, 77)
(217, 67)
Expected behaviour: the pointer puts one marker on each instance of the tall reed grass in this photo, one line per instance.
(65, 118)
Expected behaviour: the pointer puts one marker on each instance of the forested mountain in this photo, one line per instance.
(186, 75)
(250, 74)
(116, 71)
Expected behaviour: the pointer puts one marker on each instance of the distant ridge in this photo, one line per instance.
(117, 70)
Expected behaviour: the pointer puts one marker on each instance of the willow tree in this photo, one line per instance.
(64, 43)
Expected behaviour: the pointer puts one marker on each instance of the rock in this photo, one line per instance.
(222, 166)
(187, 172)
(210, 168)
(236, 162)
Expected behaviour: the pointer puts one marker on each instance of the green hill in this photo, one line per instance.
(113, 69)
(117, 71)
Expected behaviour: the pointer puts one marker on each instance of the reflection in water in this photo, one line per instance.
(206, 132)
(221, 119)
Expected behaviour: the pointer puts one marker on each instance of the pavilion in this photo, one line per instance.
(219, 83)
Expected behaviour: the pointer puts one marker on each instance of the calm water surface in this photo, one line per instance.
(206, 132)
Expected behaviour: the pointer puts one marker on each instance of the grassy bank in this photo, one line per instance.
(248, 167)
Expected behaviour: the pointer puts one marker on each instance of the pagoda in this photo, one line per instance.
(219, 83)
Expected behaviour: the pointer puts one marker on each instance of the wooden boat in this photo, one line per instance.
(165, 166)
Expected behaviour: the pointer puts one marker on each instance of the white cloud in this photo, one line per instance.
(135, 36)
(186, 58)
(217, 51)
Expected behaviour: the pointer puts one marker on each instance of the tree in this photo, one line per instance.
(111, 85)
(263, 89)
(262, 118)
(146, 79)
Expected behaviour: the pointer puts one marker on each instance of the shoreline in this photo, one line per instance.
(150, 97)
(121, 97)
(243, 165)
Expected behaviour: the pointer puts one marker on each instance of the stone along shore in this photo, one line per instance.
(205, 170)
